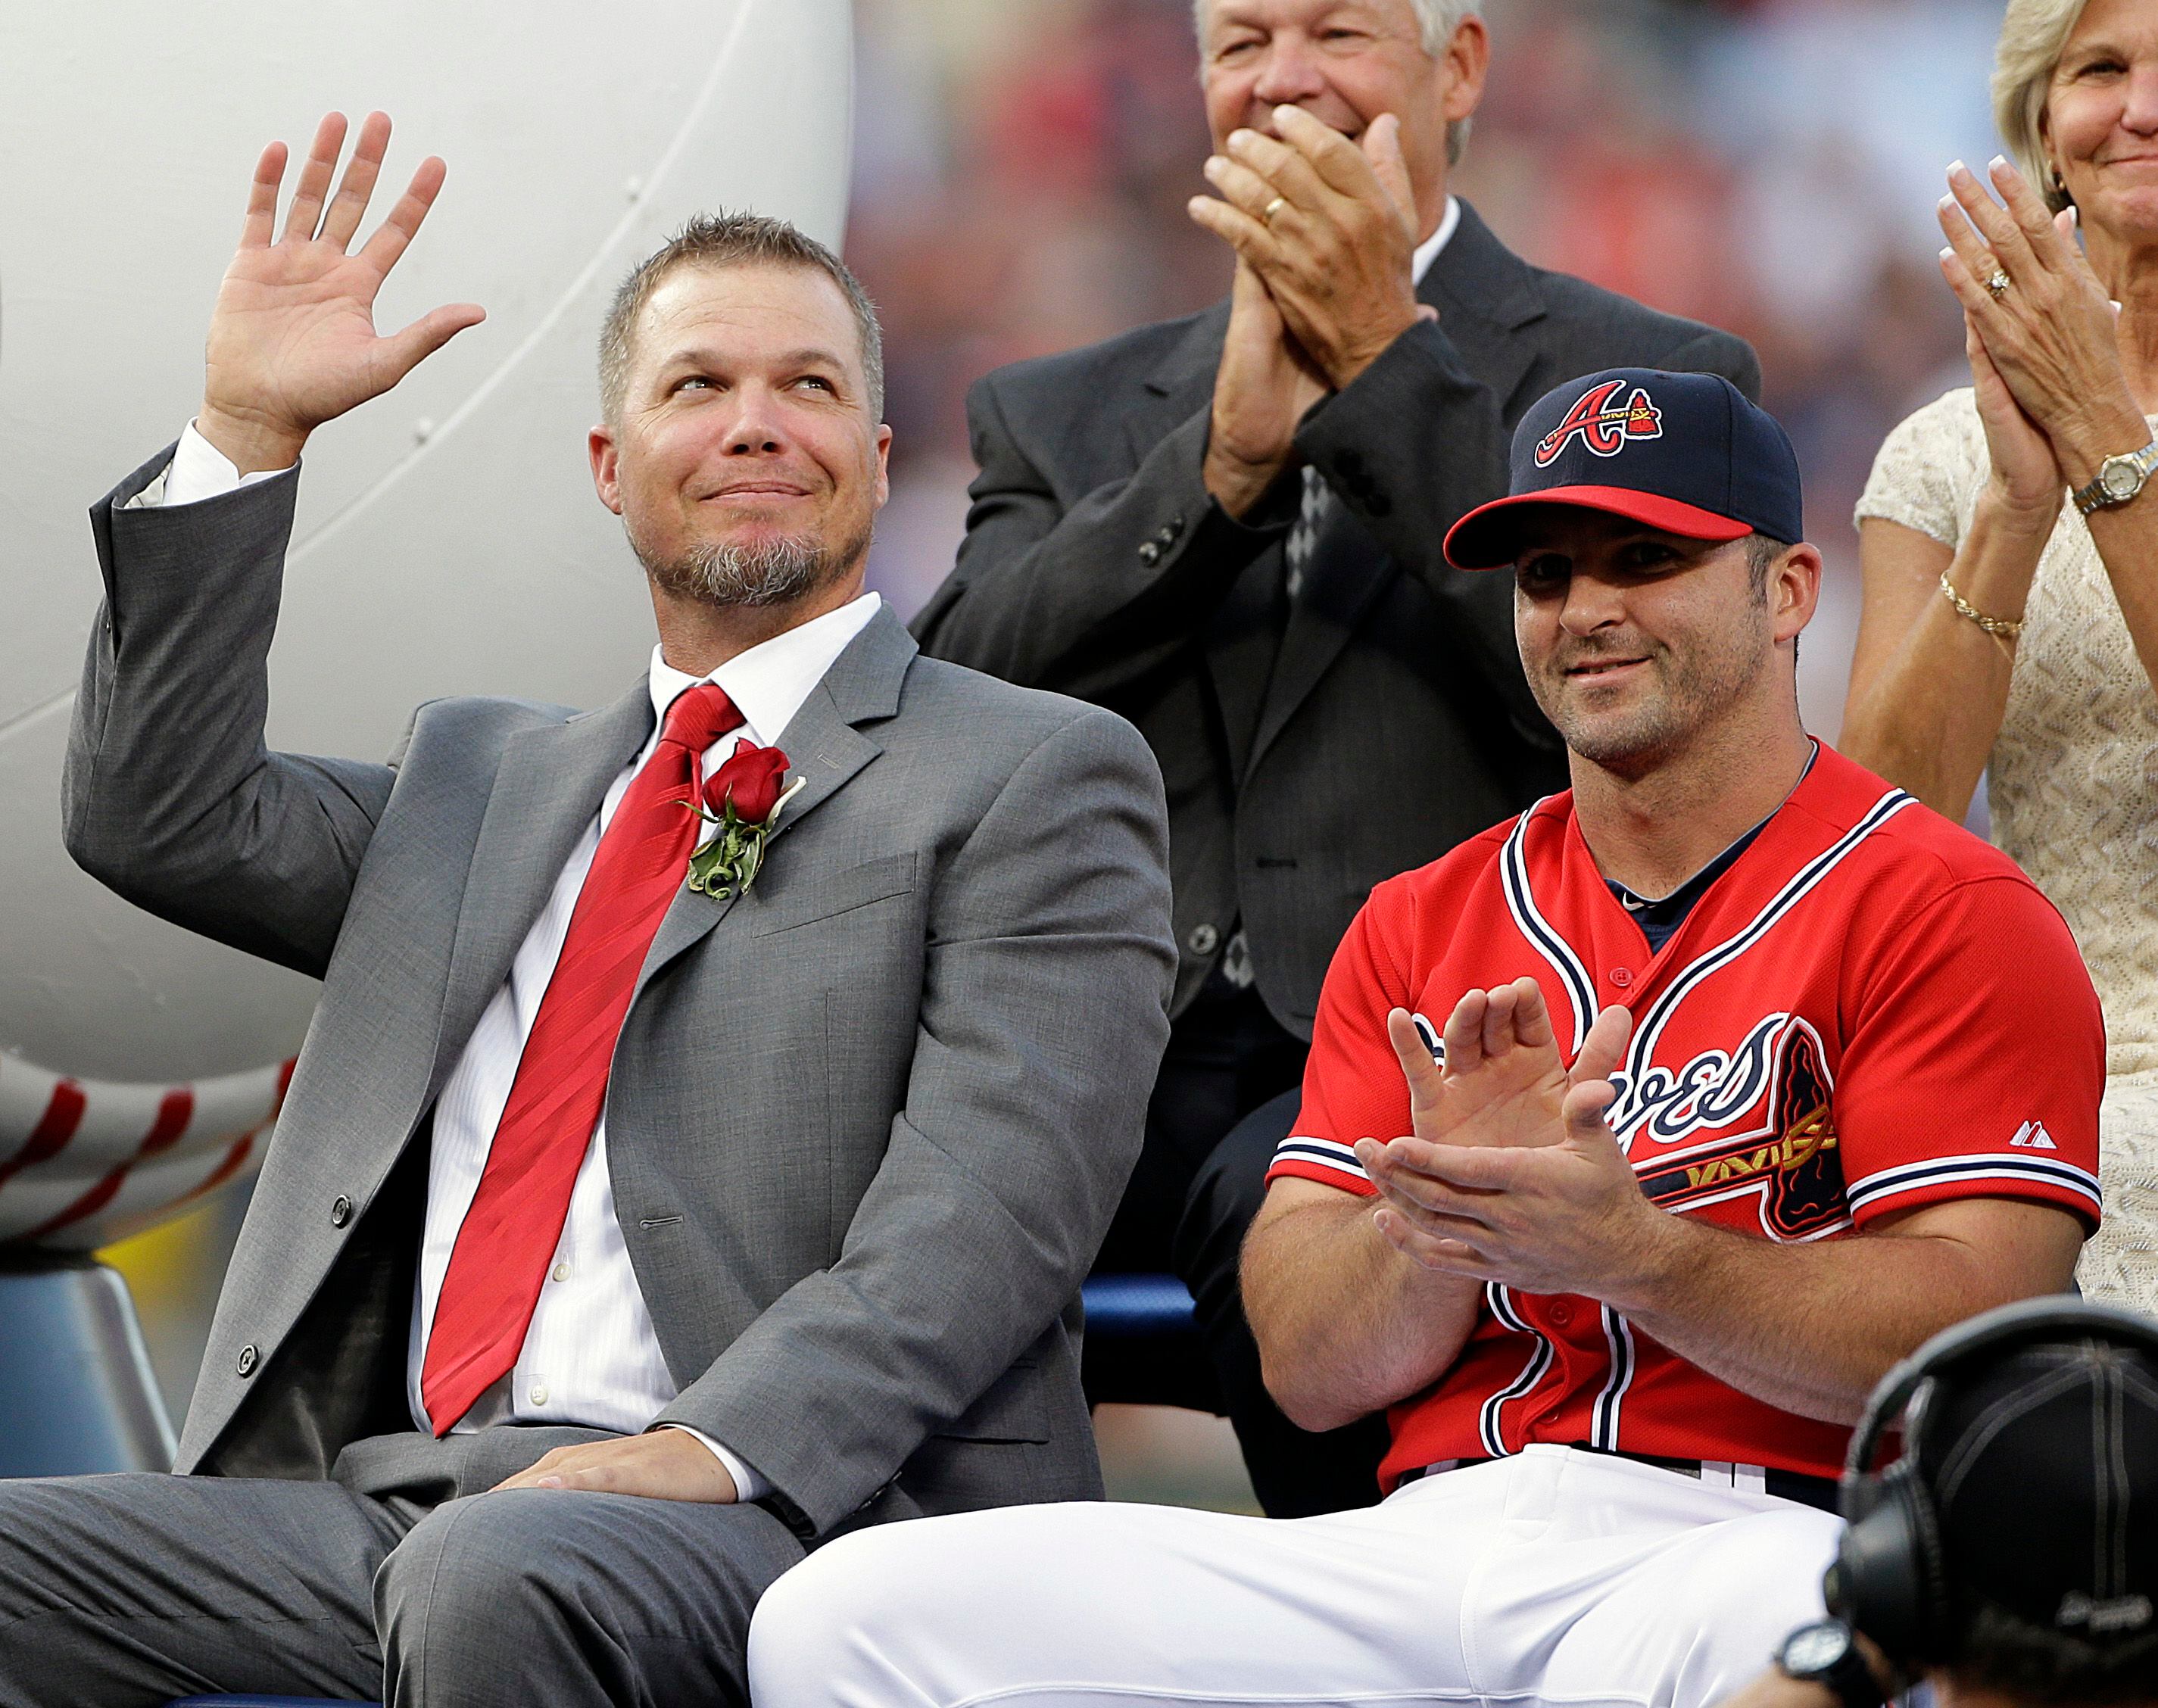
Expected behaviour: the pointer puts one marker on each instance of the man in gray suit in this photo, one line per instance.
(620, 1238)
(1226, 527)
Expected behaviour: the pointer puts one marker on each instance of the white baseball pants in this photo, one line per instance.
(1557, 1576)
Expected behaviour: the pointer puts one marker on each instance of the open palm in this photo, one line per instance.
(1503, 1082)
(292, 341)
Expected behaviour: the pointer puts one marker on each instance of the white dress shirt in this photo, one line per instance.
(1428, 252)
(590, 1356)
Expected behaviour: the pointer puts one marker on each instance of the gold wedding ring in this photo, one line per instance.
(1997, 285)
(1267, 214)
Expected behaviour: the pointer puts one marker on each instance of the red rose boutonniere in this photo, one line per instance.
(742, 800)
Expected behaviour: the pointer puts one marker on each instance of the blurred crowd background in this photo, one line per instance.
(1021, 172)
(1022, 168)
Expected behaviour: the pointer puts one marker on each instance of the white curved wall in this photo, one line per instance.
(448, 538)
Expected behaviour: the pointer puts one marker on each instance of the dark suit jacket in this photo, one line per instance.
(867, 1122)
(1390, 721)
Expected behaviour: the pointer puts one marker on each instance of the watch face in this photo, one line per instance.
(2119, 479)
(1814, 1648)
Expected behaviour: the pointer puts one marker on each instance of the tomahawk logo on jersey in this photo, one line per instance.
(1871, 1011)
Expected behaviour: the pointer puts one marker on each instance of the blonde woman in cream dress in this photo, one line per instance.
(2004, 631)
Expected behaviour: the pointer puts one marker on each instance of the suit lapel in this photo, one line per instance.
(1347, 570)
(547, 789)
(1485, 294)
(1180, 384)
(823, 747)
(1241, 639)
(1242, 646)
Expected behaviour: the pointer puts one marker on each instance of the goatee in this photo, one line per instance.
(768, 572)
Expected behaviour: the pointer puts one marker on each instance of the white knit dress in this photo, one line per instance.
(2073, 788)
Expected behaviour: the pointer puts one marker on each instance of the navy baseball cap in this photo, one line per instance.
(1685, 453)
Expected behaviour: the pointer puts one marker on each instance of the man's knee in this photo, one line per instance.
(475, 1580)
(870, 1617)
(533, 1594)
(797, 1632)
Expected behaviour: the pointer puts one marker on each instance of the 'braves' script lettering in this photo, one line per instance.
(1711, 1091)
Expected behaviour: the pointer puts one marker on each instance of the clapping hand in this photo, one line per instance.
(1261, 389)
(292, 341)
(1511, 1174)
(1329, 226)
(2045, 360)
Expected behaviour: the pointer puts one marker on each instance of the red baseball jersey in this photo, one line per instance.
(1870, 1010)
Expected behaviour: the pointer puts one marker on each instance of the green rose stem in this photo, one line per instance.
(730, 860)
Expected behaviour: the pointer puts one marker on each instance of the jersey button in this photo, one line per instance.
(1562, 1314)
(1622, 976)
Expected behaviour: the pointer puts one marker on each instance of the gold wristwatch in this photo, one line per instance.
(2119, 478)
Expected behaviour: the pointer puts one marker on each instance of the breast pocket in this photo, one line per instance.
(826, 898)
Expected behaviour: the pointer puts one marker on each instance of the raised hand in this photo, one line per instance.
(2026, 480)
(1502, 1087)
(1260, 392)
(1329, 228)
(2048, 331)
(1556, 1210)
(292, 341)
(1502, 1083)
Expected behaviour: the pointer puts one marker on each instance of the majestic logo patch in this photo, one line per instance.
(1603, 424)
(2032, 1135)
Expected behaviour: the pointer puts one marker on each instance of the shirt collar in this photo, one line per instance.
(769, 682)
(1428, 252)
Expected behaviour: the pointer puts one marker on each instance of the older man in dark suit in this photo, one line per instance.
(642, 1214)
(1227, 528)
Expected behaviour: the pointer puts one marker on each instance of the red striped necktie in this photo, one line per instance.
(509, 1237)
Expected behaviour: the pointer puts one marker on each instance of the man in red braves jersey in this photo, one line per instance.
(1640, 1136)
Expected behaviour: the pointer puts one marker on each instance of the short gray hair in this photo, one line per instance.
(724, 240)
(2032, 36)
(1438, 19)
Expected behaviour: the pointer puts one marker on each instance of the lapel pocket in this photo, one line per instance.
(858, 886)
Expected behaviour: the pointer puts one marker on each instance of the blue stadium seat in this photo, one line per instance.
(1143, 1345)
(1126, 1307)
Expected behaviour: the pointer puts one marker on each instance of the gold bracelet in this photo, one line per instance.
(2001, 628)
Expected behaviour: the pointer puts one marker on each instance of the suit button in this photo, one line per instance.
(1150, 554)
(340, 1210)
(1202, 940)
(1166, 537)
(249, 1358)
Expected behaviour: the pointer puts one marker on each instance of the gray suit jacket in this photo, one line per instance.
(861, 1222)
(1383, 718)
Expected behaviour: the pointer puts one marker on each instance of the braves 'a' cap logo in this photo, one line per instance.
(1604, 423)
